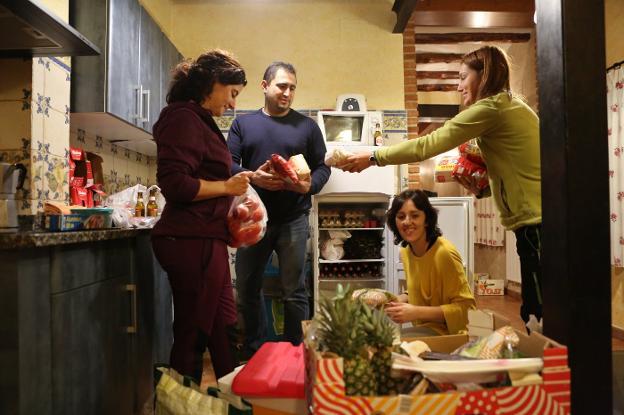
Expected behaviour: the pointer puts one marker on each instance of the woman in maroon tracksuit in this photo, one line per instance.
(190, 238)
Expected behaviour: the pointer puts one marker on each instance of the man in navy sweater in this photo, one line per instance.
(276, 128)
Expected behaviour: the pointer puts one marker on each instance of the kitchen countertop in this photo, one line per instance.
(33, 239)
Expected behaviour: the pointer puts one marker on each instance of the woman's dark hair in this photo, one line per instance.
(271, 70)
(492, 63)
(193, 80)
(421, 201)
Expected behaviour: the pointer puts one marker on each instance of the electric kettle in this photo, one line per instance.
(11, 179)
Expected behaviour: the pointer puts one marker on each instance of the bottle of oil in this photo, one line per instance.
(152, 206)
(139, 208)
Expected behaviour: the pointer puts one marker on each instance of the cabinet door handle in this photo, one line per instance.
(146, 114)
(131, 288)
(138, 96)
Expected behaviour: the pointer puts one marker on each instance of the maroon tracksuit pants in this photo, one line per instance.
(203, 303)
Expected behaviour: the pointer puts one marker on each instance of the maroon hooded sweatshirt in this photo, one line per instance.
(190, 147)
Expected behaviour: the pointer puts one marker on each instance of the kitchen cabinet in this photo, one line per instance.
(169, 59)
(150, 57)
(125, 83)
(367, 261)
(82, 327)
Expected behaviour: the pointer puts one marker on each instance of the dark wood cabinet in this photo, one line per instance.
(169, 59)
(121, 87)
(150, 51)
(126, 80)
(81, 327)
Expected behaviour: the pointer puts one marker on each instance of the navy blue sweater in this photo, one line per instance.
(254, 137)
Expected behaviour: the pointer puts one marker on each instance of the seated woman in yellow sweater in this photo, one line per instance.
(438, 297)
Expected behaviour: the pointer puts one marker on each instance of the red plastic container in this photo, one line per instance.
(277, 370)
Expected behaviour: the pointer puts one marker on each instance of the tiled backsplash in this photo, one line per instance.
(34, 103)
(121, 167)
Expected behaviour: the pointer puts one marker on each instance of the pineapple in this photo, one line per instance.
(363, 337)
(341, 331)
(380, 335)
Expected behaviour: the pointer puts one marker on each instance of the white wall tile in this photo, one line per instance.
(56, 133)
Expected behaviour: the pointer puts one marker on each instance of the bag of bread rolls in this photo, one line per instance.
(299, 164)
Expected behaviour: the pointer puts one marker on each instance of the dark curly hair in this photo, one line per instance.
(193, 80)
(421, 201)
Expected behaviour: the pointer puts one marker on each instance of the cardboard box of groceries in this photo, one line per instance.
(325, 387)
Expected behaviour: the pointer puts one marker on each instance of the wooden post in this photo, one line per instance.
(575, 190)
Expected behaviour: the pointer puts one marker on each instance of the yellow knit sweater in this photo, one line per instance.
(438, 279)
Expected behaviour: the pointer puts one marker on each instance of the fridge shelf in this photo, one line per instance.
(351, 279)
(346, 261)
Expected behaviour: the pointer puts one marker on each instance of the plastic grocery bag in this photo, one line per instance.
(177, 395)
(247, 219)
(123, 204)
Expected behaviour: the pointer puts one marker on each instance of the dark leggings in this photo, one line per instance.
(203, 303)
(528, 246)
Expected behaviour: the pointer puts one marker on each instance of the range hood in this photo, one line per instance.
(27, 29)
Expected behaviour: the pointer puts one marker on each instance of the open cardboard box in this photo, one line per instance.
(325, 389)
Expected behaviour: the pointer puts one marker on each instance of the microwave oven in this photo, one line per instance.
(345, 128)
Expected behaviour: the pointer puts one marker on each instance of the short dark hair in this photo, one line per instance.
(271, 70)
(194, 79)
(421, 201)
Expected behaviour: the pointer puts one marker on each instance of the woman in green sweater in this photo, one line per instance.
(507, 132)
(438, 296)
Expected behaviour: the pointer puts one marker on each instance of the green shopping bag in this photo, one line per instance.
(179, 395)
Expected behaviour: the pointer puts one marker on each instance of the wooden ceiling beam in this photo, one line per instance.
(403, 10)
(440, 38)
(437, 75)
(437, 87)
(438, 57)
(527, 6)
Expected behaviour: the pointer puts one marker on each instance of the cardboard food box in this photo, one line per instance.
(80, 219)
(325, 387)
(489, 287)
(444, 169)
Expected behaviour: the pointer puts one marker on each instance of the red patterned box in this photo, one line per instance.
(325, 388)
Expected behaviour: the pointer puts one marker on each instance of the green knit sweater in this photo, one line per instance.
(507, 132)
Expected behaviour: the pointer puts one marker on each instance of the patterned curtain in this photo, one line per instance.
(488, 229)
(615, 110)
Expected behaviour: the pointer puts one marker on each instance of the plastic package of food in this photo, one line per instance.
(247, 219)
(336, 156)
(283, 168)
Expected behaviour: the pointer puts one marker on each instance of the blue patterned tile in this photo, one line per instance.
(43, 104)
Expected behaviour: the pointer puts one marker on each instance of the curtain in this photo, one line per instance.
(488, 229)
(615, 111)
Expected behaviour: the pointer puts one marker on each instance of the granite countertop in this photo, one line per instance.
(34, 239)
